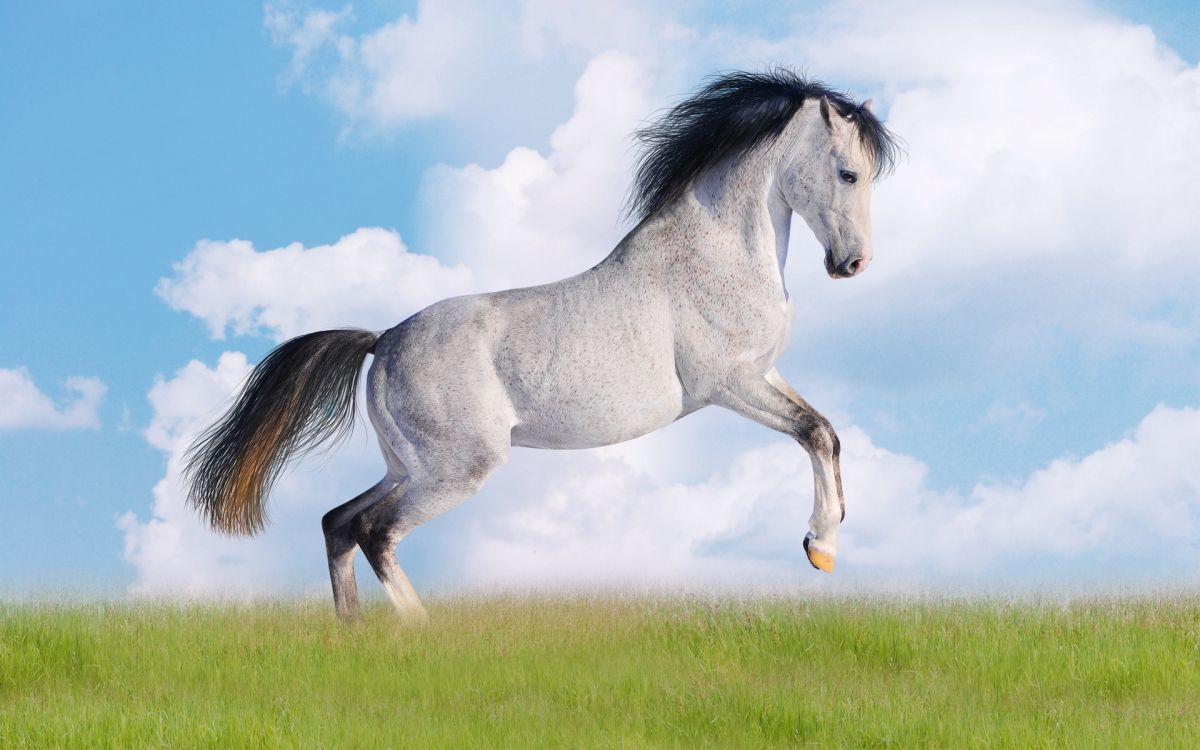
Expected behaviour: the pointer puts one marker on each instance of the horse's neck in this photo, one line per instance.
(742, 202)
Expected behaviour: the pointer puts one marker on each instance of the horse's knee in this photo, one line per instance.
(428, 492)
(363, 527)
(331, 522)
(338, 540)
(817, 435)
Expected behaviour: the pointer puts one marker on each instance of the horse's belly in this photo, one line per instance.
(592, 417)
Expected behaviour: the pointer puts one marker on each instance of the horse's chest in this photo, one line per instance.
(745, 322)
(737, 316)
(757, 331)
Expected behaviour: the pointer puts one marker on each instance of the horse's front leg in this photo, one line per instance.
(770, 401)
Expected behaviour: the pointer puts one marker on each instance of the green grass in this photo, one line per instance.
(567, 673)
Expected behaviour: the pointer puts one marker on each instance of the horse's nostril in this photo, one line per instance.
(850, 268)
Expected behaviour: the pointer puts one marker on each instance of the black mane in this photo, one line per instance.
(733, 113)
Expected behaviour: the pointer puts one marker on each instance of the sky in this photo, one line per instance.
(1016, 380)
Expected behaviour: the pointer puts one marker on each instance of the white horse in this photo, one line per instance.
(689, 310)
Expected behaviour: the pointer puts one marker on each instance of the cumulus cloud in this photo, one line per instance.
(1135, 497)
(537, 218)
(24, 405)
(365, 279)
(1134, 500)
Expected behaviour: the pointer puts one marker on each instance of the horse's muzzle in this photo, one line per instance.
(852, 266)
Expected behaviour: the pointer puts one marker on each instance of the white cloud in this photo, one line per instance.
(537, 218)
(24, 405)
(1134, 500)
(365, 279)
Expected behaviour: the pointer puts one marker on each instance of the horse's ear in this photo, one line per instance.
(825, 113)
(867, 105)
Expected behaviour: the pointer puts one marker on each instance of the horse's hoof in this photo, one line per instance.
(820, 560)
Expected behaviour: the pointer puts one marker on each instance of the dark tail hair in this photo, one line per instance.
(301, 395)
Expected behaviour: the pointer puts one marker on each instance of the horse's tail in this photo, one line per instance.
(301, 395)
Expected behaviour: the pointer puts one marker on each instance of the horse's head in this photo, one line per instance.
(827, 180)
(825, 148)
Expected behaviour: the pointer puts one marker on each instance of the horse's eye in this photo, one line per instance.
(849, 177)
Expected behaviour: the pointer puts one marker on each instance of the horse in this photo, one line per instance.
(689, 310)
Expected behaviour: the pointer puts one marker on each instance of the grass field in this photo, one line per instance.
(566, 673)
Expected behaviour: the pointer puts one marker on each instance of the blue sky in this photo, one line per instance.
(1000, 337)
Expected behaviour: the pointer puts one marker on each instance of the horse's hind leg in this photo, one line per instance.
(377, 530)
(422, 496)
(340, 546)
